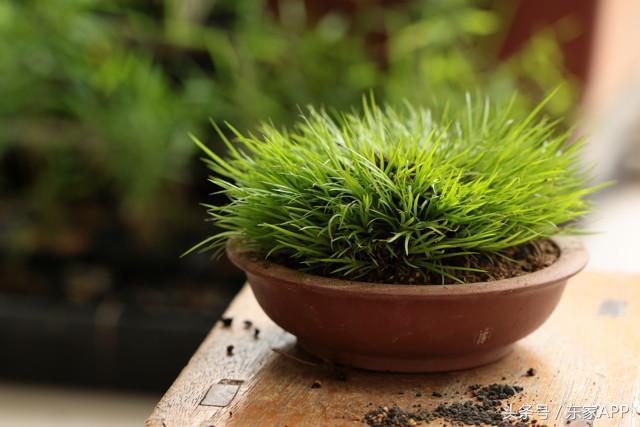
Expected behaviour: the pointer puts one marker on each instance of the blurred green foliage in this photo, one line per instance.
(103, 93)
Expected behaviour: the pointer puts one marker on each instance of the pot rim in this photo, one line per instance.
(573, 258)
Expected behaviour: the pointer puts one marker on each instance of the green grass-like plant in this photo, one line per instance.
(391, 192)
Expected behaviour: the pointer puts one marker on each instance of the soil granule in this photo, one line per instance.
(484, 410)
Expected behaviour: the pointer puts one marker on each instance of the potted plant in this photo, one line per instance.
(399, 240)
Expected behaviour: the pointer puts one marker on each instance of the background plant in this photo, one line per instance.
(97, 96)
(397, 192)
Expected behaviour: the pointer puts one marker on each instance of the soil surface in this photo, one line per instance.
(511, 262)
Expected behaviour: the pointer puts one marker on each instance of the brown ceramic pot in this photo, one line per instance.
(408, 328)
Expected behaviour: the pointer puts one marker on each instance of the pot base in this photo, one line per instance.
(435, 363)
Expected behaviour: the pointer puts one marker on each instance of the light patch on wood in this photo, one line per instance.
(220, 394)
(612, 307)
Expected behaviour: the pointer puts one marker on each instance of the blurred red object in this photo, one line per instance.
(573, 21)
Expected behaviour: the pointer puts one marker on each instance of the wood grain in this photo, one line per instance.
(587, 354)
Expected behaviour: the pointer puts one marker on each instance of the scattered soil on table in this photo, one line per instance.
(493, 394)
(531, 372)
(316, 384)
(229, 350)
(484, 410)
(396, 416)
(248, 324)
(468, 412)
(256, 333)
(226, 322)
(512, 262)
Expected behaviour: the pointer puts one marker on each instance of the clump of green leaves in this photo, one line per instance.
(398, 191)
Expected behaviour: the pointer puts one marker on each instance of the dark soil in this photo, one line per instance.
(511, 262)
(469, 412)
(516, 261)
(484, 410)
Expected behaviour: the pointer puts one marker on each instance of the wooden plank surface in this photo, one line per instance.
(586, 355)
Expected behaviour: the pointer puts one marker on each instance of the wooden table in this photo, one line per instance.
(586, 355)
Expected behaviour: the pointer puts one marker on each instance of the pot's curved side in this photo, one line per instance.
(406, 334)
(422, 329)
